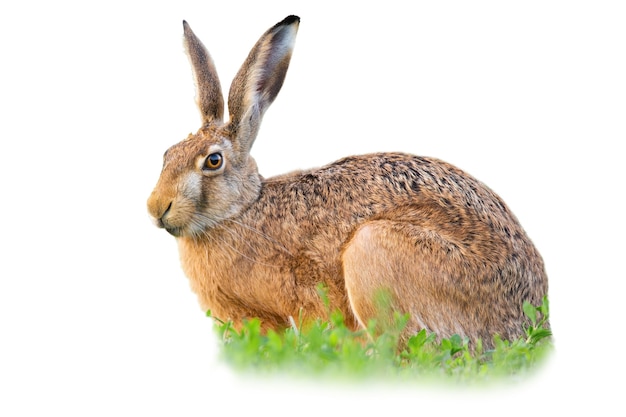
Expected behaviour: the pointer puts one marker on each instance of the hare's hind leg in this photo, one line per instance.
(394, 266)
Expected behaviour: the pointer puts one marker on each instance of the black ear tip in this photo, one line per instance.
(289, 20)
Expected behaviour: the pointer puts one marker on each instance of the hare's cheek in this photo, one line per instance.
(191, 186)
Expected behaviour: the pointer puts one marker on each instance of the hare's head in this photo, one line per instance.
(210, 176)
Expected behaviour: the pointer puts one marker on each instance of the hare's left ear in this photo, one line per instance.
(208, 90)
(259, 80)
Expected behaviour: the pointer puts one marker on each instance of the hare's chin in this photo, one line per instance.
(175, 231)
(194, 230)
(182, 231)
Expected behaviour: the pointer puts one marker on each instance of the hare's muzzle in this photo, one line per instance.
(159, 210)
(159, 221)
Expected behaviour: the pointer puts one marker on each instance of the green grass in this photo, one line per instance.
(331, 348)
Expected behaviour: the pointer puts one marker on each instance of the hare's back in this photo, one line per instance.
(385, 180)
(354, 189)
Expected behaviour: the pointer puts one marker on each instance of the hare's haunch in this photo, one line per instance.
(439, 244)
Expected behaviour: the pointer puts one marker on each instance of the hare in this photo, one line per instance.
(445, 248)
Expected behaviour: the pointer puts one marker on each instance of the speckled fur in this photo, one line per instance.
(443, 245)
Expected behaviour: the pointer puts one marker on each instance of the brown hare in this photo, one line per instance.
(442, 245)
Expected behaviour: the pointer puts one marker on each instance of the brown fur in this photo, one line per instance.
(443, 245)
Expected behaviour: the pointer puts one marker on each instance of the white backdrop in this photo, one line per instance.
(96, 316)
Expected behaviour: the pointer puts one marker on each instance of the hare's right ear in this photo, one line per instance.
(208, 90)
(259, 80)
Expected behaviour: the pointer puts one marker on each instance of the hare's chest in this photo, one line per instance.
(233, 284)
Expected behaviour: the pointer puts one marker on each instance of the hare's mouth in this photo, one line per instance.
(176, 231)
(163, 224)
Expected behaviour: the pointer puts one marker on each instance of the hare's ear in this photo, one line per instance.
(208, 90)
(259, 80)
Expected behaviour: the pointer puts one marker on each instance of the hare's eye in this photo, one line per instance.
(214, 161)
